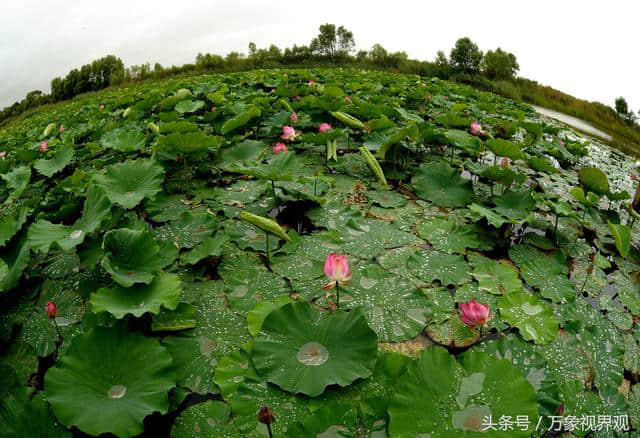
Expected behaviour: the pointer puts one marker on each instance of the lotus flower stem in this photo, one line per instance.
(266, 242)
(633, 221)
(584, 283)
(555, 230)
(337, 295)
(55, 324)
(315, 182)
(269, 430)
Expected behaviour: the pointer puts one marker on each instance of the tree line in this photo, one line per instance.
(334, 45)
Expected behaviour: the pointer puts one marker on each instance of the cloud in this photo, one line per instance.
(587, 49)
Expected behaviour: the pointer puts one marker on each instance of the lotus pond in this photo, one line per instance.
(366, 254)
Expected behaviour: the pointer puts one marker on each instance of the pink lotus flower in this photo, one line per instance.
(336, 268)
(3, 155)
(324, 127)
(474, 313)
(51, 309)
(475, 128)
(311, 82)
(288, 133)
(293, 117)
(61, 129)
(446, 97)
(634, 177)
(504, 162)
(44, 146)
(279, 147)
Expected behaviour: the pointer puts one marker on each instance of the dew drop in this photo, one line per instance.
(117, 391)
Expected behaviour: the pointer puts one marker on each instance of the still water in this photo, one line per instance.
(572, 121)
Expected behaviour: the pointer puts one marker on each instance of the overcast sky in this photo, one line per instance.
(586, 48)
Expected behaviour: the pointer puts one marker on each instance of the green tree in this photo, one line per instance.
(499, 64)
(331, 41)
(466, 56)
(622, 107)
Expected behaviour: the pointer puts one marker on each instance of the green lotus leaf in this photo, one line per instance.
(248, 281)
(22, 416)
(180, 144)
(131, 256)
(463, 140)
(189, 106)
(163, 291)
(391, 304)
(165, 207)
(498, 277)
(370, 396)
(248, 150)
(15, 258)
(109, 381)
(429, 266)
(541, 165)
(61, 159)
(504, 148)
(453, 333)
(128, 183)
(240, 120)
(369, 238)
(246, 392)
(177, 126)
(11, 224)
(42, 234)
(303, 350)
(331, 419)
(188, 230)
(622, 236)
(282, 167)
(445, 235)
(124, 141)
(257, 315)
(397, 134)
(590, 199)
(594, 180)
(210, 247)
(17, 180)
(218, 331)
(531, 364)
(465, 392)
(546, 271)
(387, 198)
(506, 177)
(211, 418)
(181, 318)
(532, 317)
(441, 184)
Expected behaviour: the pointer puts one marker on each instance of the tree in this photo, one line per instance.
(466, 56)
(622, 107)
(499, 64)
(331, 41)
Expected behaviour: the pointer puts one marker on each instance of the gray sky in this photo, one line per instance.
(586, 48)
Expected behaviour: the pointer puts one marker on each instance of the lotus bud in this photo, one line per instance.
(3, 155)
(127, 112)
(214, 109)
(324, 127)
(297, 98)
(61, 129)
(475, 128)
(51, 309)
(336, 268)
(44, 146)
(265, 415)
(504, 162)
(279, 147)
(293, 117)
(288, 133)
(473, 313)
